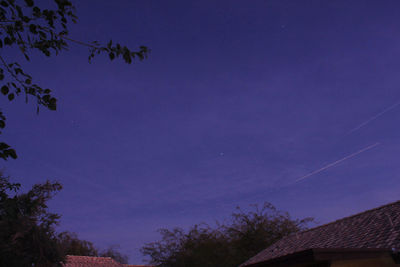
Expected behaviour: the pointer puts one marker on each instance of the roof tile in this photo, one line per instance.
(376, 228)
(86, 261)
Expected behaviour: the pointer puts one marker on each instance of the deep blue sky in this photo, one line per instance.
(237, 101)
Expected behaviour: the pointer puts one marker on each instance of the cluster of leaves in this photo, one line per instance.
(27, 27)
(117, 51)
(227, 245)
(27, 234)
(27, 229)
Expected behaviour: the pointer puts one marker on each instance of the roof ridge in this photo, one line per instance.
(347, 217)
(97, 257)
(373, 228)
(87, 256)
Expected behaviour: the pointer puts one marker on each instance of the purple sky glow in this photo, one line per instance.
(237, 101)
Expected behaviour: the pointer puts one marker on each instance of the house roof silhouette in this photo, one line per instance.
(87, 261)
(367, 234)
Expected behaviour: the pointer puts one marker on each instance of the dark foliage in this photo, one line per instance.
(27, 234)
(28, 27)
(70, 244)
(27, 229)
(227, 245)
(113, 252)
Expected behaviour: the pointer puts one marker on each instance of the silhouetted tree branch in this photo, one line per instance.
(27, 27)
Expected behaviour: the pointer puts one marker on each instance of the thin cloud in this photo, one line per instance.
(337, 162)
(374, 117)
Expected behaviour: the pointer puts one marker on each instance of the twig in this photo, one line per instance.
(76, 41)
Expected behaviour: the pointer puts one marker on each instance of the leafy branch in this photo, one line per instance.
(27, 27)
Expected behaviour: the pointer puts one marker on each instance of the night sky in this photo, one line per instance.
(237, 102)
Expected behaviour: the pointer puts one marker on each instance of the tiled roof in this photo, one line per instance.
(86, 261)
(376, 228)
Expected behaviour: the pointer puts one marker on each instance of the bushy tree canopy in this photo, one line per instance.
(70, 244)
(27, 228)
(113, 253)
(227, 245)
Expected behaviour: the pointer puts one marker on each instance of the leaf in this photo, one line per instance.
(4, 90)
(46, 98)
(127, 57)
(3, 146)
(12, 153)
(42, 34)
(111, 55)
(32, 28)
(36, 10)
(7, 41)
(11, 96)
(53, 103)
(29, 3)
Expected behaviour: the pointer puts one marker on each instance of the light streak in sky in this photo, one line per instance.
(374, 117)
(337, 162)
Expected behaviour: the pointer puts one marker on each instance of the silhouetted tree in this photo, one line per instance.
(27, 27)
(27, 228)
(70, 244)
(113, 252)
(226, 245)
